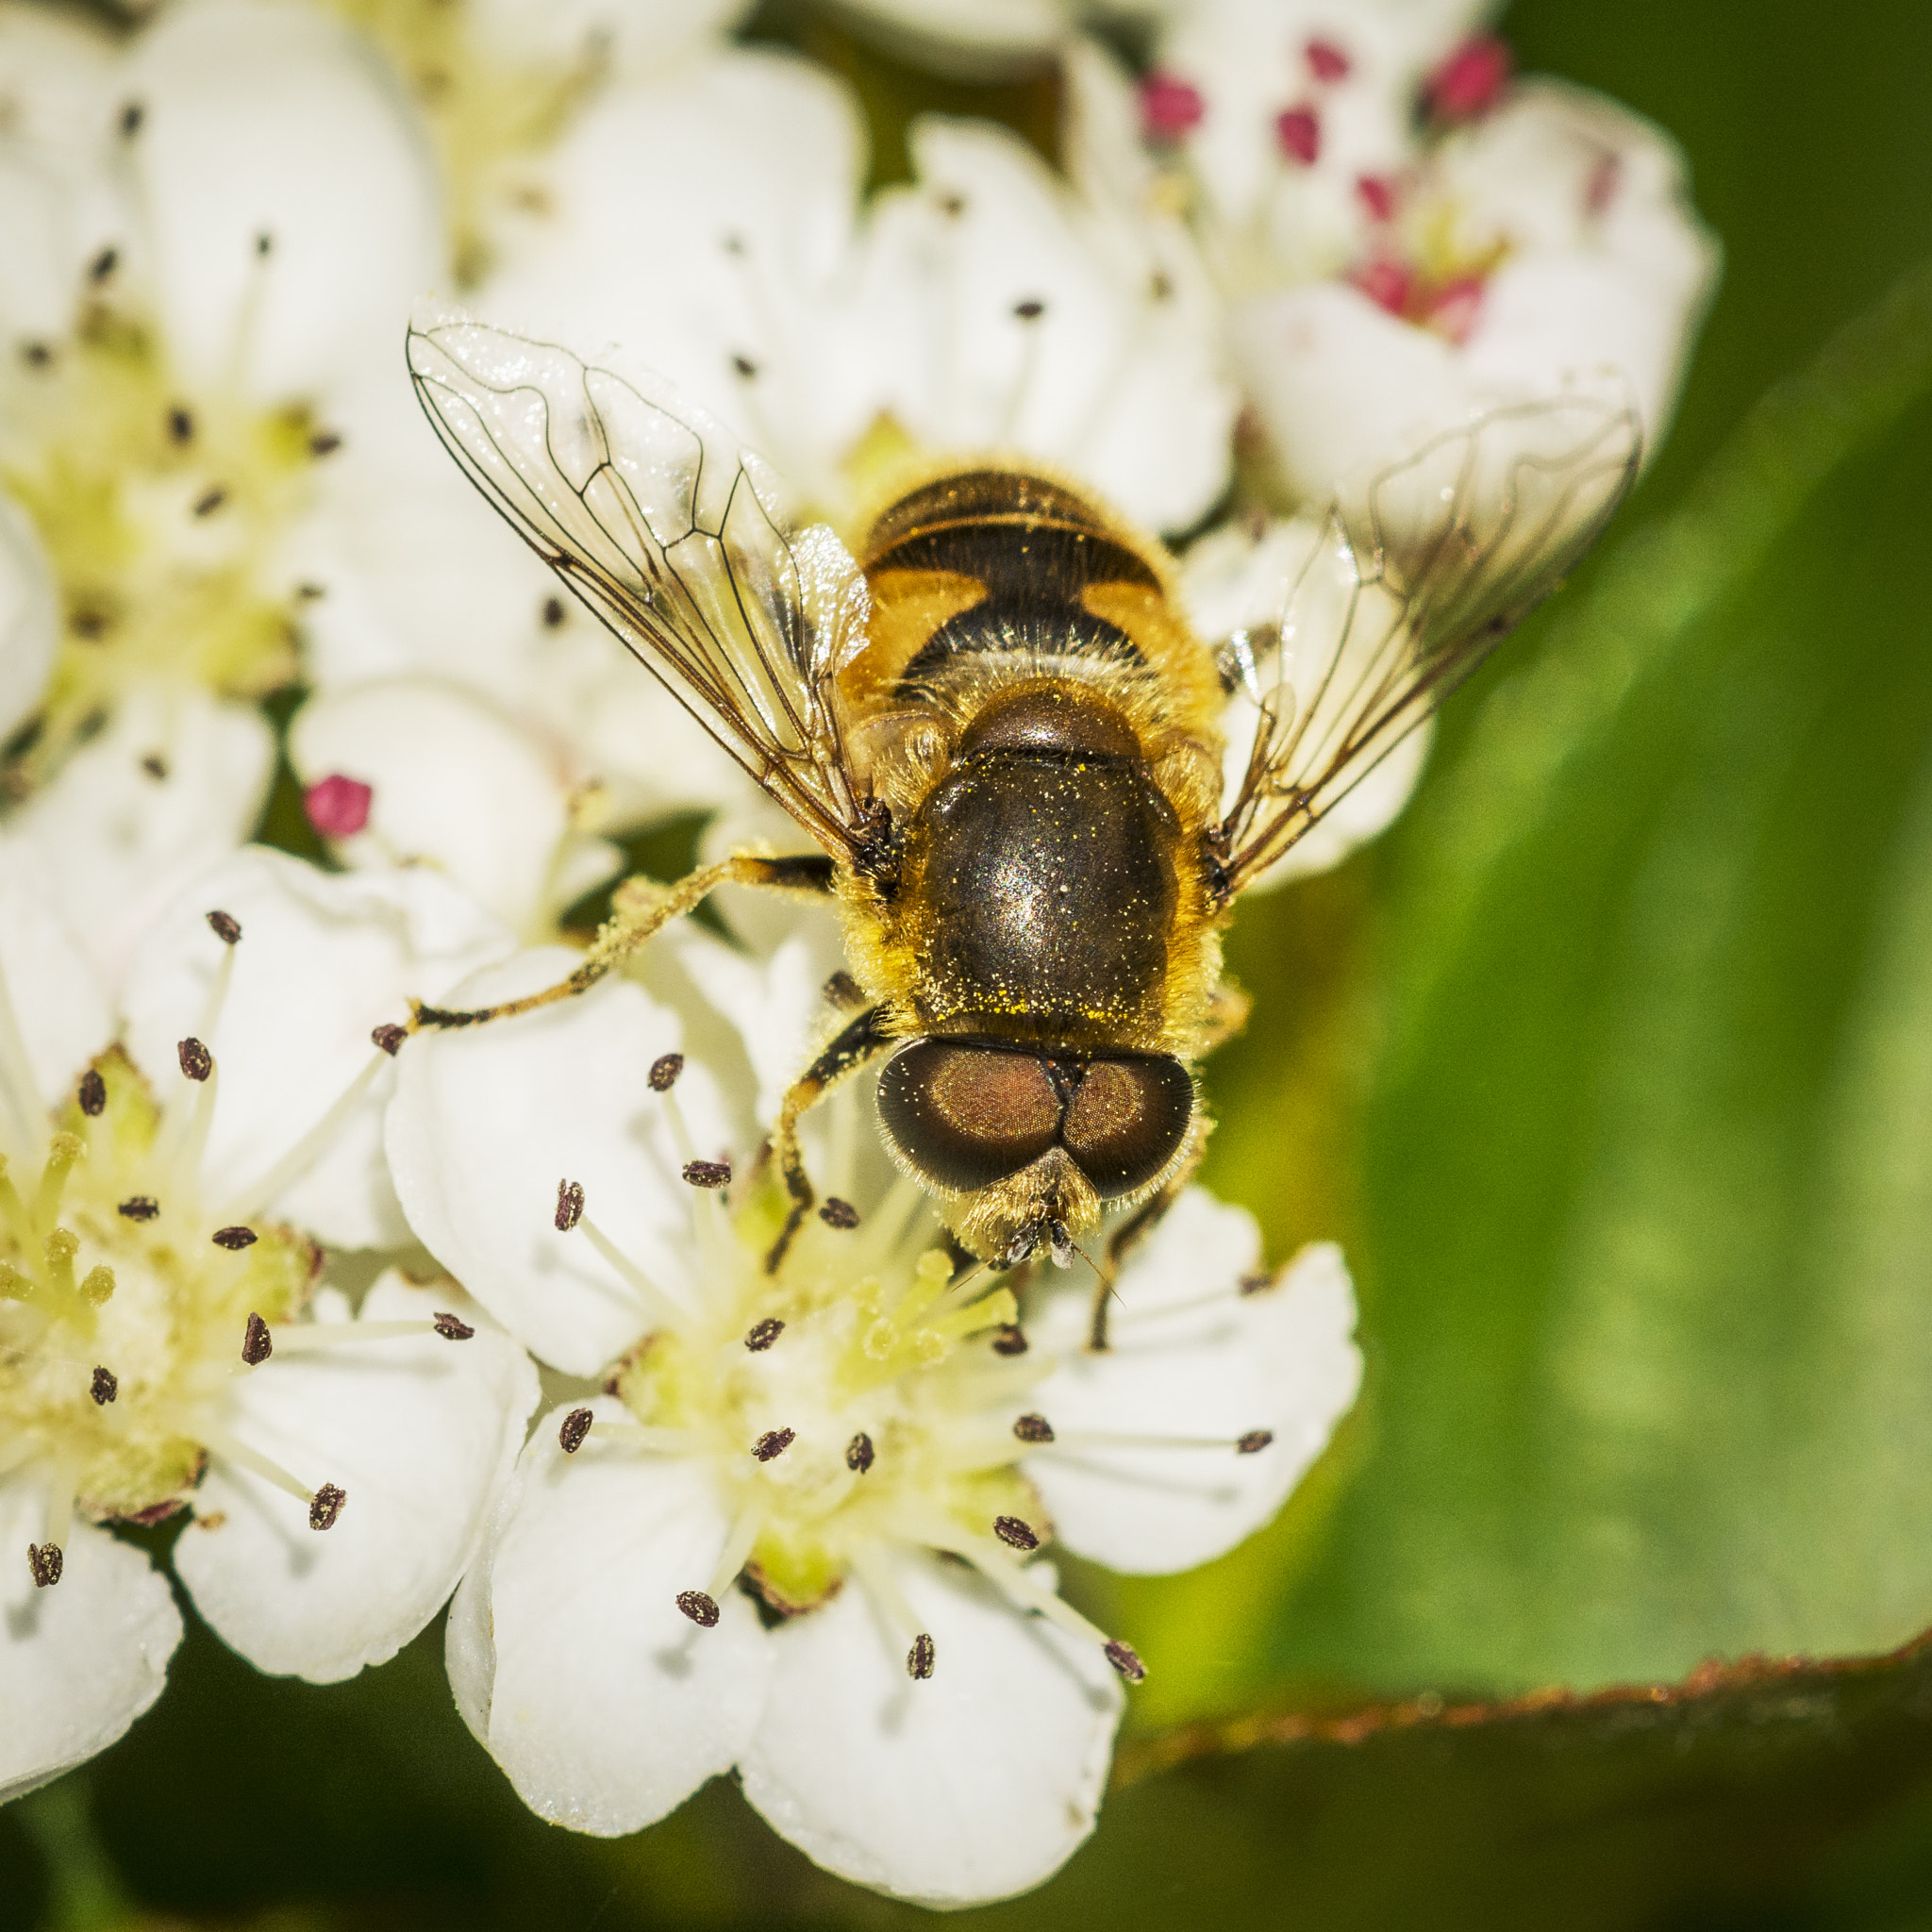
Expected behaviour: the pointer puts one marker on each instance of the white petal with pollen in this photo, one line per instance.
(1282, 1359)
(486, 1121)
(977, 1782)
(608, 1706)
(79, 1661)
(419, 1432)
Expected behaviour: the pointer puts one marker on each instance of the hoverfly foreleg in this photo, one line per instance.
(642, 910)
(857, 1043)
(1136, 1228)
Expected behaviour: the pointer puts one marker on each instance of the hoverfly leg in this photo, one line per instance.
(1227, 1016)
(863, 1040)
(1135, 1229)
(642, 910)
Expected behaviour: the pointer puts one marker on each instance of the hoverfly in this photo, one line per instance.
(1004, 740)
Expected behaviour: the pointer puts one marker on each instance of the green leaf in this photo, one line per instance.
(1648, 1157)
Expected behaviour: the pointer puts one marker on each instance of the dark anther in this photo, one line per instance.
(762, 1335)
(93, 1093)
(103, 265)
(569, 1204)
(576, 1426)
(196, 1062)
(1159, 289)
(954, 204)
(553, 613)
(310, 593)
(264, 242)
(46, 1563)
(325, 1505)
(838, 1214)
(921, 1658)
(707, 1174)
(132, 115)
(86, 622)
(257, 1344)
(107, 1384)
(389, 1038)
(235, 1239)
(226, 927)
(36, 354)
(325, 442)
(209, 501)
(1033, 1428)
(180, 426)
(1126, 1661)
(774, 1443)
(700, 1608)
(156, 766)
(664, 1072)
(139, 1208)
(859, 1454)
(1010, 1338)
(1254, 1442)
(1015, 1534)
(1029, 310)
(1254, 1284)
(449, 1327)
(745, 366)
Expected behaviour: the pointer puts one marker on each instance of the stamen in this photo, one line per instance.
(196, 1062)
(762, 1335)
(570, 1206)
(662, 1305)
(63, 1150)
(226, 927)
(774, 1443)
(1252, 1444)
(659, 1441)
(97, 1286)
(859, 1454)
(390, 1038)
(1015, 1534)
(45, 1562)
(106, 1387)
(306, 1151)
(1125, 1660)
(707, 1174)
(139, 1208)
(256, 1344)
(299, 1338)
(576, 1426)
(217, 1440)
(699, 1606)
(840, 1215)
(450, 1328)
(1033, 1428)
(737, 1545)
(1010, 1340)
(234, 1239)
(94, 1094)
(921, 1657)
(666, 1066)
(326, 1506)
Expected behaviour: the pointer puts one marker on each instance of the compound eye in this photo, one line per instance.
(1127, 1120)
(967, 1116)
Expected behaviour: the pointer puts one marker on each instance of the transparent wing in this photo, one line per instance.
(677, 539)
(1394, 594)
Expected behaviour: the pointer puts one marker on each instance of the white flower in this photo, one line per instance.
(989, 306)
(868, 1440)
(162, 1340)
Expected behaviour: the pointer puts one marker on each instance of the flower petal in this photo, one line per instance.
(173, 784)
(420, 1432)
(59, 1006)
(608, 1706)
(80, 1660)
(973, 1785)
(322, 961)
(1193, 1357)
(27, 632)
(486, 1121)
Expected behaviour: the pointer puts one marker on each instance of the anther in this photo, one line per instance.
(762, 1335)
(569, 1204)
(707, 1174)
(1126, 1661)
(226, 927)
(325, 1505)
(921, 1657)
(1298, 132)
(553, 613)
(324, 443)
(774, 1443)
(1253, 1441)
(838, 1214)
(1010, 1338)
(210, 500)
(337, 806)
(36, 354)
(699, 1607)
(389, 1037)
(180, 426)
(107, 1384)
(1029, 310)
(1254, 1284)
(745, 367)
(234, 1239)
(664, 1072)
(1033, 1428)
(1326, 61)
(859, 1454)
(264, 242)
(94, 1094)
(196, 1062)
(576, 1426)
(156, 766)
(1015, 1534)
(450, 1328)
(103, 265)
(132, 115)
(256, 1344)
(97, 1286)
(138, 1208)
(46, 1563)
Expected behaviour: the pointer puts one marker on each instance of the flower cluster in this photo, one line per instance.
(277, 1272)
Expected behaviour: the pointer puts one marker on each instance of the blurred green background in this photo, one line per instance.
(1613, 1067)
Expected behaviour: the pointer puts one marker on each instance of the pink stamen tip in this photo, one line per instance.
(338, 807)
(1454, 308)
(1170, 108)
(1299, 132)
(1471, 80)
(1326, 61)
(1387, 284)
(1377, 194)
